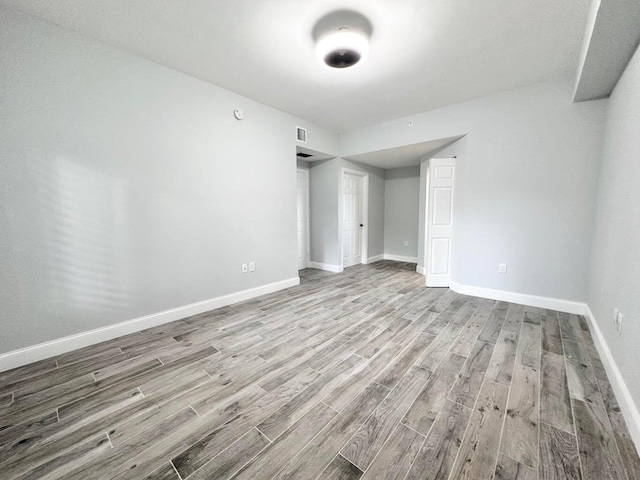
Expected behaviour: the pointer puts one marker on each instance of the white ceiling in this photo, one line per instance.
(404, 156)
(424, 53)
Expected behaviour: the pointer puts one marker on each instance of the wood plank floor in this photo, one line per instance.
(364, 374)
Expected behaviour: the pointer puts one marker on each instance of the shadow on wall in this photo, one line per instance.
(86, 219)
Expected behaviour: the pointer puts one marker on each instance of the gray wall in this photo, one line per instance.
(525, 188)
(615, 256)
(323, 212)
(402, 194)
(326, 209)
(422, 212)
(129, 188)
(302, 164)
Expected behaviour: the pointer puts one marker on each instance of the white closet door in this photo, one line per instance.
(440, 221)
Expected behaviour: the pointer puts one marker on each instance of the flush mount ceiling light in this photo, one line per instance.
(342, 48)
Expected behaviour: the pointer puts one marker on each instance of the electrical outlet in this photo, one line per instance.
(406, 243)
(244, 268)
(615, 318)
(252, 266)
(601, 296)
(502, 268)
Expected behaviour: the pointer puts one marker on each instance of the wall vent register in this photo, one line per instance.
(301, 134)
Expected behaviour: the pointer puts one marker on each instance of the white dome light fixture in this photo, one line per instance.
(342, 48)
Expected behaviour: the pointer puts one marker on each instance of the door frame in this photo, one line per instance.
(425, 253)
(307, 217)
(364, 253)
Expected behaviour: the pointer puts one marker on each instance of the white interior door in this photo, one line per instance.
(352, 219)
(303, 218)
(439, 221)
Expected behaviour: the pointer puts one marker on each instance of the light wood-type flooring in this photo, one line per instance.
(364, 374)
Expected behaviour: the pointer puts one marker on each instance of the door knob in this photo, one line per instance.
(361, 225)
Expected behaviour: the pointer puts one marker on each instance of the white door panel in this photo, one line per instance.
(442, 172)
(442, 202)
(352, 219)
(440, 197)
(346, 244)
(439, 256)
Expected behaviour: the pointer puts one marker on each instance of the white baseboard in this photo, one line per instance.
(400, 258)
(24, 356)
(326, 266)
(521, 298)
(394, 258)
(421, 270)
(628, 407)
(375, 258)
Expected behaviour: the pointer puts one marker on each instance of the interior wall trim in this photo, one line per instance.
(325, 266)
(24, 356)
(375, 258)
(400, 258)
(560, 305)
(628, 406)
(394, 258)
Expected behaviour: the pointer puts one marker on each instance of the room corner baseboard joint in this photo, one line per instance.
(326, 267)
(375, 258)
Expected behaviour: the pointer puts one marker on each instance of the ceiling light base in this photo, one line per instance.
(342, 48)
